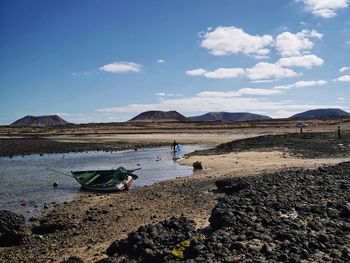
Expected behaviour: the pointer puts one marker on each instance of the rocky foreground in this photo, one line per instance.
(289, 216)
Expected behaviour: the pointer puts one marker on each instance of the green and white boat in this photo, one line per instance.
(106, 180)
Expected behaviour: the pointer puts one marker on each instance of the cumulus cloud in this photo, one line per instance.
(264, 70)
(196, 72)
(302, 84)
(161, 61)
(289, 44)
(121, 67)
(344, 69)
(224, 73)
(231, 40)
(238, 93)
(261, 72)
(344, 78)
(324, 8)
(219, 94)
(258, 92)
(163, 94)
(306, 61)
(220, 73)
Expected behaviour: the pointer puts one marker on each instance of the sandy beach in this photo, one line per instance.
(88, 225)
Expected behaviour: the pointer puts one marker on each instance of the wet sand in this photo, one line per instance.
(89, 224)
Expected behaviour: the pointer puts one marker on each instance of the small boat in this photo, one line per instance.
(106, 180)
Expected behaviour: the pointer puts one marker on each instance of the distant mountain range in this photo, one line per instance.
(321, 113)
(159, 116)
(174, 116)
(48, 120)
(229, 116)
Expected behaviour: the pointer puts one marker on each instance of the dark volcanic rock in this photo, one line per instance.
(307, 145)
(197, 165)
(50, 225)
(11, 228)
(73, 259)
(267, 216)
(152, 243)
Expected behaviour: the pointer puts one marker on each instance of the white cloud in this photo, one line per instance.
(231, 40)
(218, 94)
(196, 72)
(290, 44)
(263, 81)
(220, 73)
(83, 73)
(324, 8)
(163, 94)
(258, 92)
(344, 69)
(344, 78)
(302, 84)
(261, 72)
(161, 61)
(239, 93)
(121, 67)
(307, 61)
(224, 73)
(264, 70)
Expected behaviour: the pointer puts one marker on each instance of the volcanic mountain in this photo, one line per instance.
(47, 120)
(229, 116)
(321, 113)
(159, 116)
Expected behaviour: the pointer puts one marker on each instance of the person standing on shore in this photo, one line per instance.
(339, 133)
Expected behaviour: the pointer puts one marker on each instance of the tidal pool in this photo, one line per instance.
(26, 183)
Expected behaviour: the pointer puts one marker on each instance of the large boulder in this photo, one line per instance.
(51, 225)
(73, 259)
(11, 228)
(152, 243)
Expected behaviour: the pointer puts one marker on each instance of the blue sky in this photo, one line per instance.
(100, 61)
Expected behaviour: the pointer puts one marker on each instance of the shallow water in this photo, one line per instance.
(26, 182)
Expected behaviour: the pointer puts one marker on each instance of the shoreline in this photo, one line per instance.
(86, 226)
(192, 196)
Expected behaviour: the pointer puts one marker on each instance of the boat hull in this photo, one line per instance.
(105, 180)
(122, 186)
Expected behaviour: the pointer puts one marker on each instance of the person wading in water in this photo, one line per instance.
(173, 146)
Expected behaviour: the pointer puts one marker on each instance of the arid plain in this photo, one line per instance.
(89, 224)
